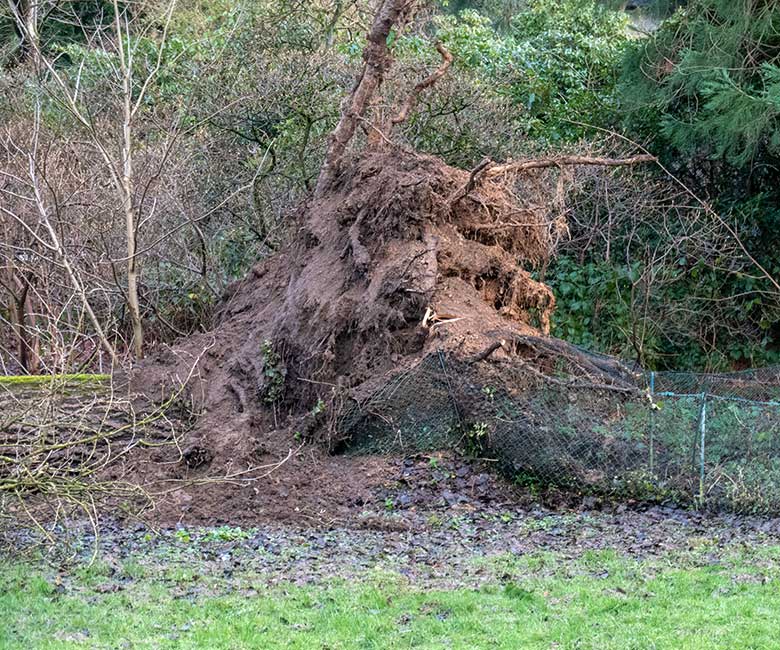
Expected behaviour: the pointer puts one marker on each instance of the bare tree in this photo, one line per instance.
(114, 133)
(43, 234)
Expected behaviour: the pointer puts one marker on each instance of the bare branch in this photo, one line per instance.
(567, 161)
(411, 100)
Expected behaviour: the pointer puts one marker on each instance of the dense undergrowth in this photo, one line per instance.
(242, 97)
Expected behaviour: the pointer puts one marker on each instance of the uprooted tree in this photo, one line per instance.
(395, 254)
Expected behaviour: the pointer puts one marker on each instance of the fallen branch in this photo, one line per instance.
(567, 161)
(61, 451)
(234, 478)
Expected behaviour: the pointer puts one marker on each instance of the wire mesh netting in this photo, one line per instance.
(702, 439)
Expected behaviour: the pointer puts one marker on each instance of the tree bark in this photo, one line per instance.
(377, 60)
(17, 284)
(20, 326)
(133, 303)
(25, 14)
(127, 190)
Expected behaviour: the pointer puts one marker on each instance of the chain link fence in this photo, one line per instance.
(701, 439)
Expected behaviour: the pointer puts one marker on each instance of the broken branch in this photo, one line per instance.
(411, 100)
(567, 161)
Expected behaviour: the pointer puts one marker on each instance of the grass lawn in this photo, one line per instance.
(598, 601)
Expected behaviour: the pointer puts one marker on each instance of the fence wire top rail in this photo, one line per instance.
(756, 386)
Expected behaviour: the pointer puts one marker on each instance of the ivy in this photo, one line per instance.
(274, 373)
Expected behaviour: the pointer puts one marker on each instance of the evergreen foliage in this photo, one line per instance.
(705, 91)
(708, 83)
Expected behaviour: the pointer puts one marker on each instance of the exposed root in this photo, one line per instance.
(397, 254)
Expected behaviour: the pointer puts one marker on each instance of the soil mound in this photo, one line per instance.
(401, 255)
(395, 255)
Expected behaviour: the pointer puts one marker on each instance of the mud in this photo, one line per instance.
(439, 523)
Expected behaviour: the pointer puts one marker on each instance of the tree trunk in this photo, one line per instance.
(131, 218)
(25, 14)
(133, 274)
(20, 322)
(22, 318)
(377, 61)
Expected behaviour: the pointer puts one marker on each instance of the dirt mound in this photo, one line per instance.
(395, 259)
(395, 255)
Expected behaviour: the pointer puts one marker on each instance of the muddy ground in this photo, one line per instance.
(438, 521)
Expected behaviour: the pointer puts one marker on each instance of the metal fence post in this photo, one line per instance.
(702, 441)
(652, 423)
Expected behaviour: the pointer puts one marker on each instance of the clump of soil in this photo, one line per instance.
(396, 254)
(392, 261)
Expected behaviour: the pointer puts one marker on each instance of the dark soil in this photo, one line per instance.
(438, 522)
(319, 490)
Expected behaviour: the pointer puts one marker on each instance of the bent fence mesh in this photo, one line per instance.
(703, 439)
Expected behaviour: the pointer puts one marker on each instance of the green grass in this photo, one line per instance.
(38, 380)
(598, 602)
